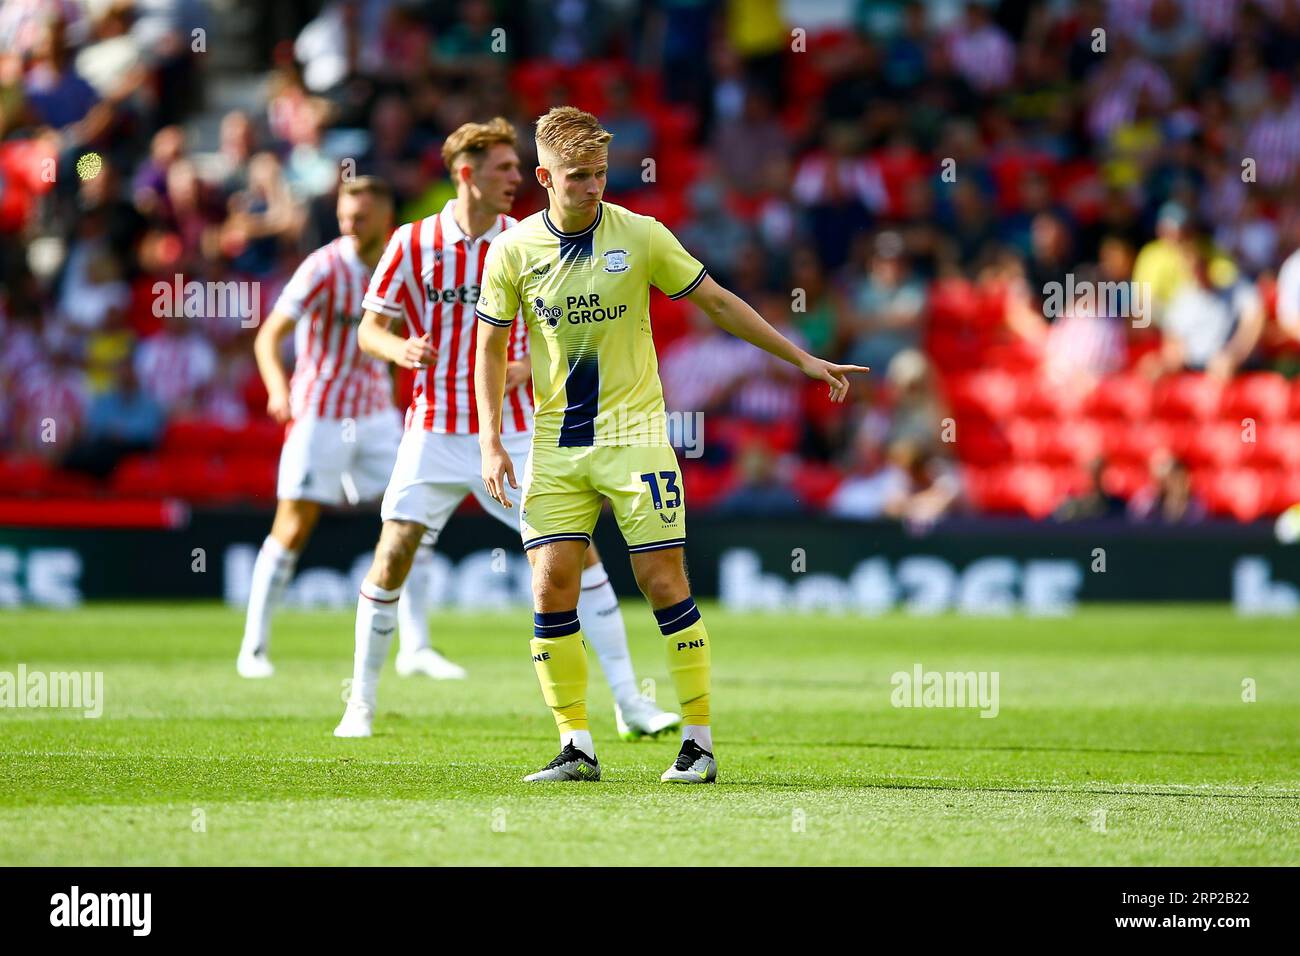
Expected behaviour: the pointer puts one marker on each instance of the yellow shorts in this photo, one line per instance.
(563, 489)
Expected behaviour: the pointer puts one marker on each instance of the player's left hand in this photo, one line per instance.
(833, 375)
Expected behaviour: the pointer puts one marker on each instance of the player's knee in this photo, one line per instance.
(555, 586)
(293, 525)
(663, 582)
(393, 555)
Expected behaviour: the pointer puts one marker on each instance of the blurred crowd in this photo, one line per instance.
(897, 184)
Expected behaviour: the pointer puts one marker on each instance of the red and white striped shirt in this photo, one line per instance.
(332, 377)
(174, 366)
(429, 276)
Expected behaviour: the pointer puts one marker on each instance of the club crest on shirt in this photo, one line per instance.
(616, 260)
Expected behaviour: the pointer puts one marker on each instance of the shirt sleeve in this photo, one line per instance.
(498, 298)
(307, 283)
(392, 275)
(673, 270)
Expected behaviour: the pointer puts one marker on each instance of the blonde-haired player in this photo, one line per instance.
(429, 279)
(582, 269)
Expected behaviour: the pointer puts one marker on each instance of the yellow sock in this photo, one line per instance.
(689, 660)
(561, 663)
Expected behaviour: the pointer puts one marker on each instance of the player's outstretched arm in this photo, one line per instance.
(266, 349)
(489, 392)
(733, 314)
(374, 338)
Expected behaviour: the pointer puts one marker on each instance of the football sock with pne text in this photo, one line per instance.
(560, 659)
(687, 646)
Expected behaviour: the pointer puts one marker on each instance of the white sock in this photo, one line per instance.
(602, 626)
(271, 573)
(376, 620)
(580, 739)
(701, 735)
(413, 608)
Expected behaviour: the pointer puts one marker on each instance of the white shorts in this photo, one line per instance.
(435, 472)
(330, 460)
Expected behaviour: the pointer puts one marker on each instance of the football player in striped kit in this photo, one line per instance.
(428, 279)
(342, 429)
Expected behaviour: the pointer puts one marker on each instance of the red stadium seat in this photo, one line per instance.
(1264, 396)
(69, 484)
(1037, 488)
(1187, 395)
(706, 485)
(673, 125)
(991, 393)
(1288, 490)
(253, 477)
(201, 479)
(1041, 398)
(953, 302)
(1069, 442)
(1240, 493)
(23, 475)
(980, 442)
(1280, 490)
(954, 354)
(1218, 445)
(533, 79)
(1120, 396)
(1125, 479)
(189, 436)
(814, 484)
(1134, 442)
(1279, 444)
(988, 490)
(139, 476)
(263, 438)
(1018, 357)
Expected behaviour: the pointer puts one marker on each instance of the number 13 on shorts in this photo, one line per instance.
(671, 488)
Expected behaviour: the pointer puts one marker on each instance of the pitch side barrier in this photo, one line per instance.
(816, 565)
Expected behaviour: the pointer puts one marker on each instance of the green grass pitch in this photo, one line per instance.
(1122, 738)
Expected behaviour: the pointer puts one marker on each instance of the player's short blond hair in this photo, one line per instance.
(473, 140)
(571, 135)
(367, 186)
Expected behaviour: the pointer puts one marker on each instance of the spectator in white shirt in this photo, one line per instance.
(1208, 327)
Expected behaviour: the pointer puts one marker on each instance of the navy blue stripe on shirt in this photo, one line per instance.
(691, 288)
(582, 389)
(600, 214)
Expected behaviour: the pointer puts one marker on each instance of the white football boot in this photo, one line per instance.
(430, 663)
(570, 764)
(694, 764)
(357, 720)
(639, 717)
(254, 666)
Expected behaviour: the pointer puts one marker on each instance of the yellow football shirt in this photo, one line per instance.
(586, 300)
